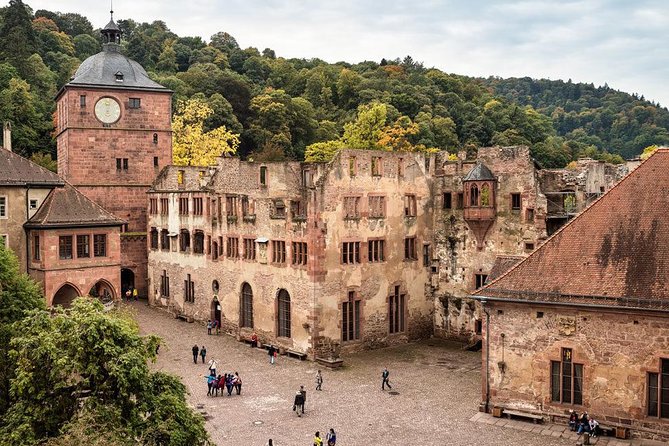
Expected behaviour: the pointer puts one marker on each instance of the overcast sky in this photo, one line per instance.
(620, 42)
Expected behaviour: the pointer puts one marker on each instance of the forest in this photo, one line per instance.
(272, 108)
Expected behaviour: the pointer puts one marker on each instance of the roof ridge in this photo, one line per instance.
(96, 204)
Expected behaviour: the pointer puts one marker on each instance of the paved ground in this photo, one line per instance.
(438, 385)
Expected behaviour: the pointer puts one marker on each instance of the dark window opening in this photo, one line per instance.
(350, 323)
(247, 306)
(155, 138)
(134, 103)
(480, 280)
(658, 391)
(284, 314)
(566, 379)
(350, 253)
(263, 175)
(65, 247)
(83, 246)
(396, 311)
(189, 290)
(515, 202)
(100, 245)
(165, 284)
(447, 200)
(410, 249)
(461, 200)
(82, 100)
(155, 161)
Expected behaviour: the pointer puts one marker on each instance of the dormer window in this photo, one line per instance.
(119, 76)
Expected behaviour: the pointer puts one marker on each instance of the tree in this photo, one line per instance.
(89, 364)
(85, 45)
(19, 105)
(365, 131)
(322, 152)
(191, 144)
(17, 36)
(45, 160)
(648, 151)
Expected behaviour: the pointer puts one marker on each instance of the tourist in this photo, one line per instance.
(584, 424)
(217, 325)
(135, 295)
(128, 293)
(304, 397)
(212, 366)
(254, 340)
(319, 380)
(269, 442)
(298, 403)
(209, 326)
(228, 383)
(203, 353)
(594, 426)
(218, 384)
(196, 350)
(272, 354)
(210, 384)
(573, 420)
(318, 441)
(237, 383)
(331, 437)
(386, 381)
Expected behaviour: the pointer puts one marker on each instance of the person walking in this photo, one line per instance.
(385, 382)
(212, 366)
(319, 380)
(228, 383)
(331, 437)
(272, 354)
(196, 350)
(203, 353)
(209, 326)
(211, 379)
(304, 397)
(217, 326)
(298, 403)
(237, 381)
(318, 441)
(128, 293)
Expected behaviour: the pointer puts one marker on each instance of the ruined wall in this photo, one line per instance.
(617, 349)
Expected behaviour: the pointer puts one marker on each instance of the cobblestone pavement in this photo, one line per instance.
(438, 388)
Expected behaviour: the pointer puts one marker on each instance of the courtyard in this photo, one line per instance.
(436, 391)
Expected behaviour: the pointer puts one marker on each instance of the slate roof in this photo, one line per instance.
(67, 207)
(16, 170)
(614, 254)
(479, 173)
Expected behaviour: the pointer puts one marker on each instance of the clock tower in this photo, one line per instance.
(113, 127)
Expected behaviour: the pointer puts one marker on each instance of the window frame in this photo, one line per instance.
(410, 206)
(99, 245)
(283, 310)
(567, 383)
(4, 207)
(279, 252)
(246, 306)
(134, 103)
(376, 250)
(83, 246)
(410, 249)
(516, 201)
(397, 307)
(65, 248)
(350, 317)
(350, 252)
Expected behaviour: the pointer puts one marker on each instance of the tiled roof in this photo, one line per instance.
(16, 170)
(503, 264)
(615, 253)
(67, 207)
(479, 173)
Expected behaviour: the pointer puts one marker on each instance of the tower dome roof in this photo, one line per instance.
(112, 69)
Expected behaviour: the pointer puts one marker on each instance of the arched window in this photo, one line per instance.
(284, 314)
(474, 195)
(247, 306)
(485, 195)
(198, 242)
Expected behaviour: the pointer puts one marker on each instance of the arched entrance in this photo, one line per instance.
(127, 280)
(103, 291)
(65, 296)
(216, 311)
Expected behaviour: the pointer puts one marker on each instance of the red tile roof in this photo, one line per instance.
(614, 253)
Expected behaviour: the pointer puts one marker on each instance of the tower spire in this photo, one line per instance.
(111, 32)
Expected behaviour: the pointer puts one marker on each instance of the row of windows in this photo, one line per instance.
(377, 166)
(376, 206)
(83, 246)
(481, 198)
(123, 166)
(376, 251)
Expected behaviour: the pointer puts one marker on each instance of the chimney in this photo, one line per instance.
(7, 135)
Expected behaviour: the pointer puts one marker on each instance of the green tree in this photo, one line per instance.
(167, 61)
(364, 132)
(85, 45)
(20, 106)
(17, 36)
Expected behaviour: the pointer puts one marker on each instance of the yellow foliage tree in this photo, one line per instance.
(648, 151)
(191, 144)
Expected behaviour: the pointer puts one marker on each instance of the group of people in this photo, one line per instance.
(199, 351)
(330, 438)
(213, 326)
(228, 381)
(130, 294)
(583, 423)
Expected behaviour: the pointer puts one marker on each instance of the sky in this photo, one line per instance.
(623, 43)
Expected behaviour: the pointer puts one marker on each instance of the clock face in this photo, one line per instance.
(107, 110)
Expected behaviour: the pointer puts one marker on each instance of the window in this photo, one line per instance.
(165, 284)
(153, 206)
(246, 210)
(278, 251)
(231, 206)
(183, 206)
(122, 164)
(376, 250)
(125, 164)
(400, 168)
(3, 207)
(118, 76)
(189, 290)
(155, 141)
(479, 280)
(409, 205)
(350, 320)
(284, 314)
(164, 206)
(300, 256)
(247, 306)
(83, 246)
(515, 202)
(249, 249)
(82, 100)
(410, 249)
(350, 253)
(447, 200)
(377, 168)
(530, 215)
(461, 200)
(232, 248)
(184, 240)
(396, 304)
(164, 240)
(426, 255)
(134, 103)
(529, 246)
(180, 177)
(36, 248)
(221, 247)
(214, 251)
(297, 210)
(351, 208)
(658, 391)
(377, 206)
(100, 245)
(474, 195)
(65, 247)
(263, 175)
(485, 195)
(566, 380)
(279, 210)
(352, 166)
(197, 206)
(198, 242)
(33, 204)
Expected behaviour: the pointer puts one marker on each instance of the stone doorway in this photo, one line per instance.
(103, 291)
(127, 280)
(65, 296)
(216, 311)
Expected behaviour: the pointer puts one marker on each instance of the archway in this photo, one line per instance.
(103, 290)
(65, 296)
(216, 311)
(127, 280)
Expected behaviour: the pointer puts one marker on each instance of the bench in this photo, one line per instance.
(184, 318)
(526, 415)
(296, 354)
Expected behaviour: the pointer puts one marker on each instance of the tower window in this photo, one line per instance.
(122, 164)
(134, 102)
(82, 100)
(155, 161)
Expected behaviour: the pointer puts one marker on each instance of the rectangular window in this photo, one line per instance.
(410, 249)
(155, 161)
(3, 207)
(65, 247)
(82, 100)
(529, 246)
(352, 166)
(197, 206)
(232, 249)
(154, 238)
(180, 177)
(351, 208)
(480, 280)
(279, 210)
(447, 200)
(409, 205)
(165, 284)
(278, 251)
(653, 393)
(377, 206)
(119, 164)
(164, 206)
(231, 205)
(249, 249)
(189, 290)
(400, 168)
(350, 322)
(33, 204)
(134, 103)
(396, 304)
(350, 253)
(515, 202)
(125, 164)
(164, 240)
(153, 206)
(376, 251)
(377, 167)
(245, 206)
(426, 255)
(83, 246)
(567, 380)
(300, 256)
(183, 206)
(461, 200)
(263, 175)
(530, 215)
(658, 391)
(36, 248)
(297, 210)
(100, 245)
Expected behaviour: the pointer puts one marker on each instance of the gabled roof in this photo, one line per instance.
(479, 173)
(615, 253)
(16, 170)
(67, 207)
(503, 264)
